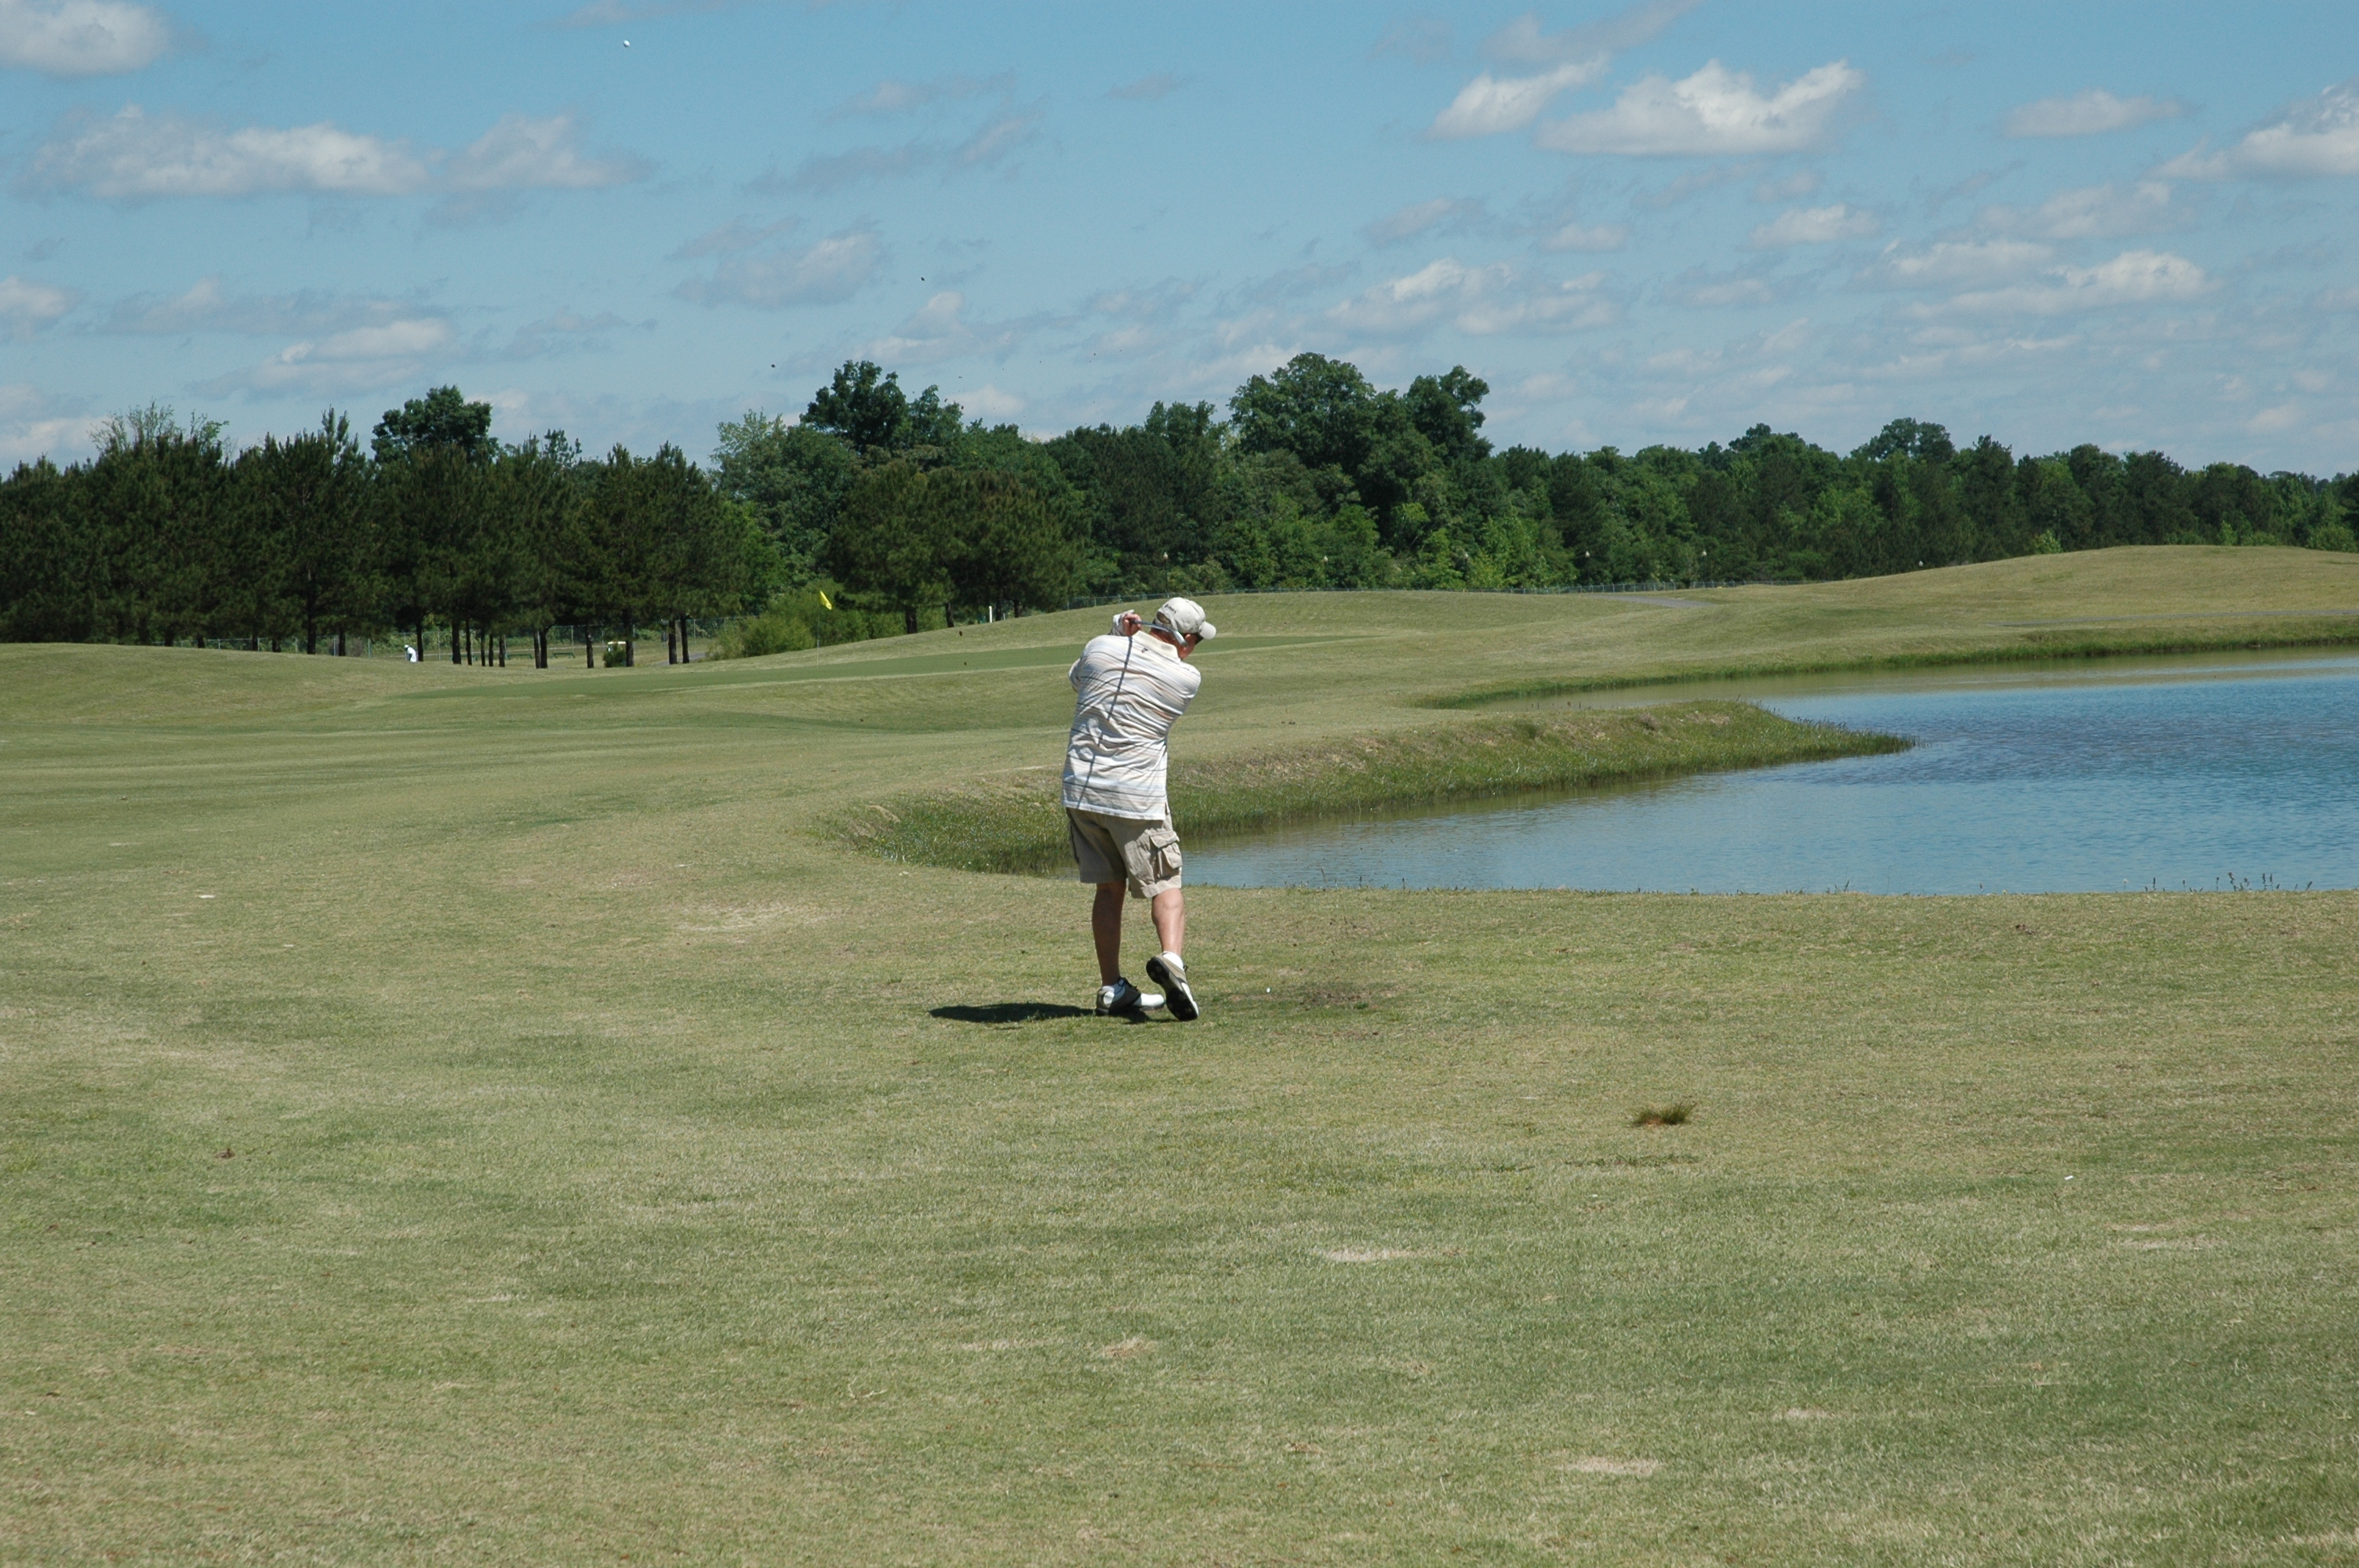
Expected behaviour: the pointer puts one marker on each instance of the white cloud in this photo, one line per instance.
(1146, 89)
(614, 13)
(833, 172)
(990, 144)
(208, 307)
(567, 331)
(2087, 113)
(938, 332)
(132, 156)
(23, 440)
(1456, 212)
(1124, 342)
(522, 153)
(1521, 42)
(361, 360)
(994, 141)
(21, 400)
(892, 97)
(1130, 322)
(1586, 237)
(26, 306)
(1475, 300)
(34, 424)
(1815, 226)
(2284, 416)
(1695, 182)
(1802, 182)
(1293, 283)
(81, 38)
(2315, 136)
(1269, 315)
(1418, 301)
(2133, 277)
(1488, 105)
(821, 274)
(204, 303)
(1690, 380)
(1160, 304)
(731, 237)
(395, 340)
(1715, 113)
(1941, 352)
(1700, 290)
(1533, 304)
(1951, 264)
(988, 402)
(942, 331)
(2094, 212)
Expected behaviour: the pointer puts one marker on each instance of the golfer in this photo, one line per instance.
(1131, 687)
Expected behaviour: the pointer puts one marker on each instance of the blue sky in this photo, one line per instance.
(632, 218)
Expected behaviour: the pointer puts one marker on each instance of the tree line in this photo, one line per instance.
(309, 541)
(1312, 477)
(875, 510)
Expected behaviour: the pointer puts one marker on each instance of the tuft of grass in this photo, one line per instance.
(1677, 1114)
(1018, 825)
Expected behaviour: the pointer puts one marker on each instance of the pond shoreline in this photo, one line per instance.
(1017, 825)
(2174, 773)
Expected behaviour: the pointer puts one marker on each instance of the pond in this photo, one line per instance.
(2076, 776)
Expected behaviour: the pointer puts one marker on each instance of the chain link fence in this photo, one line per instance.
(701, 630)
(576, 640)
(1668, 586)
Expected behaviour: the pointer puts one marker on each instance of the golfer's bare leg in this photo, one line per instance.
(1105, 926)
(1171, 911)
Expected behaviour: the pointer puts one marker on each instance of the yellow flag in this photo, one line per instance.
(823, 601)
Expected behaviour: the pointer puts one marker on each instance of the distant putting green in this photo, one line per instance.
(465, 1115)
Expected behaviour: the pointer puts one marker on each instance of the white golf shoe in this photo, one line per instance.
(1165, 970)
(1124, 997)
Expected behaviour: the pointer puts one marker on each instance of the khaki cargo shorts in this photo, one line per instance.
(1124, 849)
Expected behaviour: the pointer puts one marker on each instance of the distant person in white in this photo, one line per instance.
(1131, 687)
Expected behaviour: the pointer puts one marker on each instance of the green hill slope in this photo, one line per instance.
(477, 1115)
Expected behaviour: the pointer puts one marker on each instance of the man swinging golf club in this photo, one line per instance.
(1130, 688)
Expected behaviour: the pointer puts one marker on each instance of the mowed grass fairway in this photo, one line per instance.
(455, 1115)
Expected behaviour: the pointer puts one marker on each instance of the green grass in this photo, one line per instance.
(544, 1145)
(1018, 824)
(2179, 635)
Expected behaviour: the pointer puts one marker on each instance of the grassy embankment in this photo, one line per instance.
(457, 1115)
(1018, 824)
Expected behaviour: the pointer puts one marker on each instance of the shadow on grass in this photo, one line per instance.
(1011, 1012)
